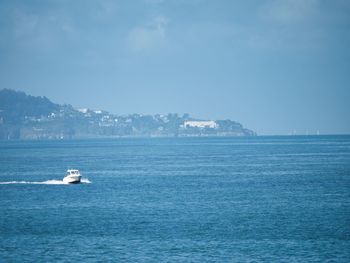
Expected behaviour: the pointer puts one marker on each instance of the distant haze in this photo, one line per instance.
(276, 66)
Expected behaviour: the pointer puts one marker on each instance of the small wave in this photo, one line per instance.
(55, 182)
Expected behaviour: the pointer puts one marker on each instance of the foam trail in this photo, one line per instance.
(27, 182)
(85, 181)
(55, 182)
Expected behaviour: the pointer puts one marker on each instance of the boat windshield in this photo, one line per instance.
(72, 172)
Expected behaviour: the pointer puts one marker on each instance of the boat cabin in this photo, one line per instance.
(73, 172)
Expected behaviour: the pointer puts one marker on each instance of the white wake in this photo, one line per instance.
(83, 181)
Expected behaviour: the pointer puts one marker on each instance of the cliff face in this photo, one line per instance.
(27, 117)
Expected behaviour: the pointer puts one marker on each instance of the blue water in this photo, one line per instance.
(270, 199)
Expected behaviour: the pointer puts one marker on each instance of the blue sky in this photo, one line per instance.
(277, 66)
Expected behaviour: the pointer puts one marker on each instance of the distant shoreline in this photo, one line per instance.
(177, 137)
(27, 117)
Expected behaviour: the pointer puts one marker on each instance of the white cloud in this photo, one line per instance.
(150, 36)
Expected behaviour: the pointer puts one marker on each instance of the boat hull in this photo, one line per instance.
(72, 179)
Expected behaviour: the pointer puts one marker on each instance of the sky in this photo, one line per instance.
(276, 66)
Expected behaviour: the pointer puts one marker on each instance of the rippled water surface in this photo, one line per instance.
(282, 199)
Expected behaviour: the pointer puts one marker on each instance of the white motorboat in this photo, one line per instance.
(72, 177)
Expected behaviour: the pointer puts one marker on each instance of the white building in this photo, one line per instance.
(83, 110)
(200, 124)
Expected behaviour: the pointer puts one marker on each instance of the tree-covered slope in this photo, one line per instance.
(15, 106)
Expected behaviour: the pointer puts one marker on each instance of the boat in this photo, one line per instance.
(72, 177)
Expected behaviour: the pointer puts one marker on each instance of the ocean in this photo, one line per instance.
(251, 199)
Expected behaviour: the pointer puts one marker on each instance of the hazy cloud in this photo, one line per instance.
(105, 10)
(289, 11)
(154, 1)
(24, 24)
(149, 36)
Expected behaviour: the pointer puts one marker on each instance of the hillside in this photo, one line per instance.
(15, 106)
(27, 117)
